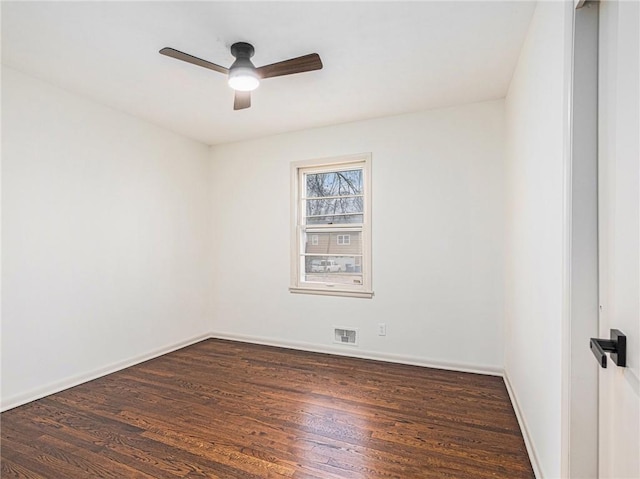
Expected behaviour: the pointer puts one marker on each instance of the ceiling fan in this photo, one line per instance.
(243, 75)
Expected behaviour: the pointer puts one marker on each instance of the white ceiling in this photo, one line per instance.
(380, 58)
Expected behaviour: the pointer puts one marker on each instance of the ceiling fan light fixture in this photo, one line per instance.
(243, 79)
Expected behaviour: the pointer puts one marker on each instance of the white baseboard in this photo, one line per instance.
(356, 352)
(531, 450)
(52, 388)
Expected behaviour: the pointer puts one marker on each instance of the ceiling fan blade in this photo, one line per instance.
(185, 57)
(241, 100)
(301, 64)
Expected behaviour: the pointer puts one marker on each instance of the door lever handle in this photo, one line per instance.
(617, 346)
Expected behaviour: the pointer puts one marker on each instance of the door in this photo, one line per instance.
(619, 238)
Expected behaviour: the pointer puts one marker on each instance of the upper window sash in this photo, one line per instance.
(344, 199)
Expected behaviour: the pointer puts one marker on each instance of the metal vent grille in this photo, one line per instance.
(345, 336)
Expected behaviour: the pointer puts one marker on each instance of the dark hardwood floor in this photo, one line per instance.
(221, 409)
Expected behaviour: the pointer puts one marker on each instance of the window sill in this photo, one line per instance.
(332, 292)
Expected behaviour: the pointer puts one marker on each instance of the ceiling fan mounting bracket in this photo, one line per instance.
(242, 50)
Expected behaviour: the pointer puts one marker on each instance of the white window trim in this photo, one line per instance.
(364, 290)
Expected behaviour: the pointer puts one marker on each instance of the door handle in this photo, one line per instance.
(617, 346)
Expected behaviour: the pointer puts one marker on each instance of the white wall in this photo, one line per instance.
(105, 236)
(438, 228)
(536, 109)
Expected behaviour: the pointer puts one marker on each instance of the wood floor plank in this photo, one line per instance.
(8, 469)
(230, 410)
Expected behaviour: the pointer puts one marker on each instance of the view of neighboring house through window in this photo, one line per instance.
(331, 227)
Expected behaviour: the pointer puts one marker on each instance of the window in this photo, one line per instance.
(344, 239)
(331, 226)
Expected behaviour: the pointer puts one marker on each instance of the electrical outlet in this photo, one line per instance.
(382, 329)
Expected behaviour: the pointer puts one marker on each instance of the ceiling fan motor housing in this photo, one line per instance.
(242, 73)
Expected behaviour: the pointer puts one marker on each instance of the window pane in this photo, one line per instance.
(334, 206)
(334, 220)
(335, 183)
(333, 243)
(332, 269)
